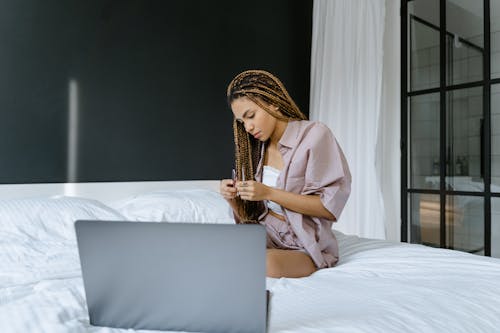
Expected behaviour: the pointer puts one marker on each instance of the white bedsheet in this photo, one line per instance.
(377, 286)
(380, 286)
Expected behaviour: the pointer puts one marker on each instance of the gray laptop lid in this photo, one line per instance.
(174, 276)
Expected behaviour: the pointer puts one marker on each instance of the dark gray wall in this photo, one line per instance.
(151, 79)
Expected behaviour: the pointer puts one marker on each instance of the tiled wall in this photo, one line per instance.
(495, 135)
(495, 110)
(424, 131)
(465, 116)
(425, 68)
(495, 227)
(495, 139)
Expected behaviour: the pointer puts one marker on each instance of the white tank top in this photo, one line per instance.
(269, 178)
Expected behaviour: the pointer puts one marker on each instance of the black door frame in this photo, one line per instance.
(442, 90)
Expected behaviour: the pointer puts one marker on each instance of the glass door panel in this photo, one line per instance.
(495, 227)
(464, 41)
(423, 53)
(464, 119)
(495, 138)
(458, 146)
(425, 219)
(495, 38)
(465, 223)
(424, 139)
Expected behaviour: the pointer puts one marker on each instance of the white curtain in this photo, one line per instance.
(346, 87)
(389, 132)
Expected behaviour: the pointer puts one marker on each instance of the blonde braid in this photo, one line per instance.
(264, 89)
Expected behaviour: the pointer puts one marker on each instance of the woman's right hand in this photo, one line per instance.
(227, 189)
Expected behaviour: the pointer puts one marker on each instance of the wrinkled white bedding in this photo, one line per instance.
(377, 286)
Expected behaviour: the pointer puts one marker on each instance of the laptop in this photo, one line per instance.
(174, 276)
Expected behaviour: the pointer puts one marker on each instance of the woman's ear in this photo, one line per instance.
(275, 108)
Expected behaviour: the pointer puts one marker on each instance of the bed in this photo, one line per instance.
(377, 286)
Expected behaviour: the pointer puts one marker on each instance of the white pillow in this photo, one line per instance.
(52, 218)
(200, 206)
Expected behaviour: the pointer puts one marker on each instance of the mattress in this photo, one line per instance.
(377, 286)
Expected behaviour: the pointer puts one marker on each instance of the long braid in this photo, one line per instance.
(264, 89)
(245, 162)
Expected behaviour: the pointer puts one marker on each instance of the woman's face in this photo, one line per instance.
(256, 120)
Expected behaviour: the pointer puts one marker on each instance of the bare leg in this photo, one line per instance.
(288, 263)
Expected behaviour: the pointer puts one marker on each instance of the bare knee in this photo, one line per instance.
(274, 265)
(287, 263)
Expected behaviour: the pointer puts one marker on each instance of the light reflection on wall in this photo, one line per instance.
(72, 153)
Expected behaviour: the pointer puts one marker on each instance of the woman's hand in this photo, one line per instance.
(227, 189)
(252, 190)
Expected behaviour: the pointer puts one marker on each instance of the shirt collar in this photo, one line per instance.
(289, 139)
(290, 136)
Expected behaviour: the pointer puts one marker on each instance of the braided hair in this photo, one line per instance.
(265, 90)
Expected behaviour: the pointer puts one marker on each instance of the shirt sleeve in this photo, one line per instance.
(327, 173)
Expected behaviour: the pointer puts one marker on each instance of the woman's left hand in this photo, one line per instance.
(252, 190)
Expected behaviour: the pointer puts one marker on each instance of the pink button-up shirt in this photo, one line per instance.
(313, 164)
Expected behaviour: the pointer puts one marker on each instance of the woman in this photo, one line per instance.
(292, 176)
